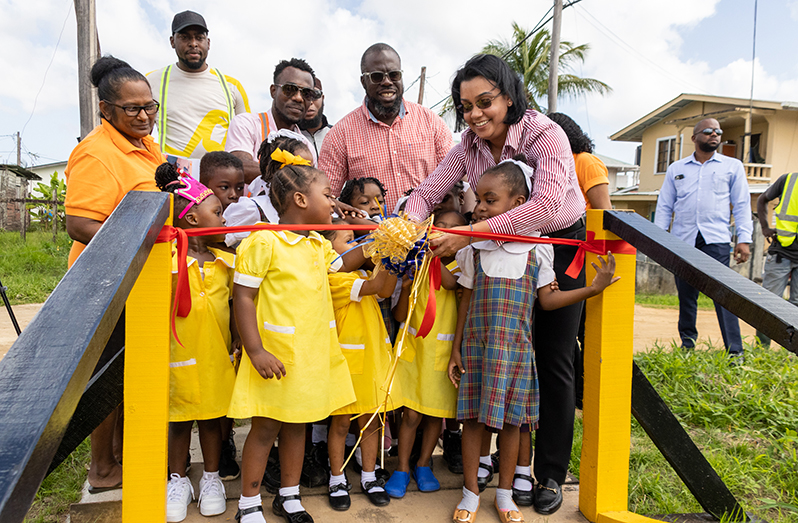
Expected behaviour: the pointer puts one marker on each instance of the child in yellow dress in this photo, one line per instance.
(293, 371)
(422, 373)
(201, 373)
(367, 348)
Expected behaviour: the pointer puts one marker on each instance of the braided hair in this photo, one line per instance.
(348, 190)
(285, 182)
(165, 174)
(268, 166)
(513, 176)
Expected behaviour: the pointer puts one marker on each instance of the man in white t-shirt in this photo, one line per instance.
(292, 93)
(197, 101)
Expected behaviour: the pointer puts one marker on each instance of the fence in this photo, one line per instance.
(25, 215)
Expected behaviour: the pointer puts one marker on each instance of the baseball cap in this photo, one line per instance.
(187, 19)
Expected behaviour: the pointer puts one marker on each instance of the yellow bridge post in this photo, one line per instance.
(147, 331)
(604, 472)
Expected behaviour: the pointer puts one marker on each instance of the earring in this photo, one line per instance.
(509, 103)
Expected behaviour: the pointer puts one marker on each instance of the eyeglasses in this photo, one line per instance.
(308, 93)
(377, 77)
(709, 130)
(482, 104)
(134, 110)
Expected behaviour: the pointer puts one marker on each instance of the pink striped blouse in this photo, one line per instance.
(556, 201)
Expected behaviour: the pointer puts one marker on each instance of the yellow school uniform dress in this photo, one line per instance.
(296, 324)
(201, 373)
(423, 366)
(364, 342)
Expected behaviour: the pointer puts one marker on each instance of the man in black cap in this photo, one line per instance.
(197, 101)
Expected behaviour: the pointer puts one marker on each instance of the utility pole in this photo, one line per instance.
(88, 52)
(19, 149)
(554, 57)
(421, 85)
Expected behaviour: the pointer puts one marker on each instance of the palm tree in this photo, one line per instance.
(531, 60)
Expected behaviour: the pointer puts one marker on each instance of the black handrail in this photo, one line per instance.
(45, 372)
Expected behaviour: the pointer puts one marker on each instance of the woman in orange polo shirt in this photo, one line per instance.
(118, 156)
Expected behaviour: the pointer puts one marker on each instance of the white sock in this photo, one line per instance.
(470, 501)
(338, 480)
(359, 457)
(504, 499)
(481, 472)
(206, 476)
(245, 502)
(319, 434)
(351, 439)
(522, 484)
(292, 505)
(365, 477)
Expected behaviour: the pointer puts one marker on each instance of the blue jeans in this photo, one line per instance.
(688, 304)
(779, 271)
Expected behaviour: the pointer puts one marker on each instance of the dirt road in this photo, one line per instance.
(651, 325)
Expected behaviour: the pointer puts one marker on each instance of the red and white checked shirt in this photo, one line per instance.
(400, 156)
(556, 201)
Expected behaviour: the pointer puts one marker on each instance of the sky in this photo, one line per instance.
(649, 52)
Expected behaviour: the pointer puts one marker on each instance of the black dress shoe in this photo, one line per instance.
(340, 502)
(523, 498)
(313, 473)
(548, 497)
(290, 517)
(250, 510)
(378, 498)
(482, 483)
(382, 474)
(452, 451)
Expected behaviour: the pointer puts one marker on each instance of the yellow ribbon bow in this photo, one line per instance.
(286, 158)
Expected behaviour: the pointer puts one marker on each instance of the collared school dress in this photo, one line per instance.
(364, 342)
(201, 373)
(500, 381)
(424, 362)
(296, 324)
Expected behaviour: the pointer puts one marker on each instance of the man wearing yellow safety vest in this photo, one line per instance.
(781, 265)
(198, 102)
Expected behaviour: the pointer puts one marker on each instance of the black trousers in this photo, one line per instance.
(555, 342)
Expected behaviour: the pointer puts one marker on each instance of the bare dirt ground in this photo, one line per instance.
(652, 326)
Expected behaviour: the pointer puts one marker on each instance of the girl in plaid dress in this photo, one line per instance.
(492, 360)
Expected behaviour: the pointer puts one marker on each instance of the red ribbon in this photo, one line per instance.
(182, 302)
(600, 247)
(434, 284)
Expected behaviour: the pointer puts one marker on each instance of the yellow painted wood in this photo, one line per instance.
(147, 331)
(623, 517)
(604, 472)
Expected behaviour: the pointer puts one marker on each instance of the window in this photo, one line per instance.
(666, 154)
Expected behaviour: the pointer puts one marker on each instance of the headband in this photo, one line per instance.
(286, 158)
(287, 133)
(528, 172)
(192, 190)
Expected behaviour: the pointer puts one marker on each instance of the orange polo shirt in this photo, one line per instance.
(591, 172)
(102, 169)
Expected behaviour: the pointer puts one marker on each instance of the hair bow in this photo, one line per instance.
(286, 158)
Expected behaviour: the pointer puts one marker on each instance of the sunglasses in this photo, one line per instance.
(709, 130)
(377, 77)
(308, 93)
(134, 110)
(482, 104)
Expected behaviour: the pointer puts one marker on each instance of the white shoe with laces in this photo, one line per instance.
(212, 500)
(179, 493)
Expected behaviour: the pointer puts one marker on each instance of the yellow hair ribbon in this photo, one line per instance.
(286, 158)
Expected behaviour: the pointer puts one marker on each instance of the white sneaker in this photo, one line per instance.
(212, 500)
(179, 493)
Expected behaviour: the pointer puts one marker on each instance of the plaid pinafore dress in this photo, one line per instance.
(500, 384)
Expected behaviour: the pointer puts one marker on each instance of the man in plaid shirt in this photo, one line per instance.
(387, 137)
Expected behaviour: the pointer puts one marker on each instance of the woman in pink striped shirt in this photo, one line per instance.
(490, 99)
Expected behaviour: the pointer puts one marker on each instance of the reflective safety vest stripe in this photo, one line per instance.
(264, 125)
(787, 212)
(165, 76)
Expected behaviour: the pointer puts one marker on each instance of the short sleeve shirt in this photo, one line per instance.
(590, 171)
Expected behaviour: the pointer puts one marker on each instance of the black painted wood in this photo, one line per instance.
(45, 372)
(679, 450)
(753, 304)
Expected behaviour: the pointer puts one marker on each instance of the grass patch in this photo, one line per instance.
(670, 301)
(31, 269)
(61, 488)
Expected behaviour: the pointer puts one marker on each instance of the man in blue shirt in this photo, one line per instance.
(698, 192)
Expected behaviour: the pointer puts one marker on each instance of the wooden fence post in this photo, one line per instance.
(146, 400)
(55, 215)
